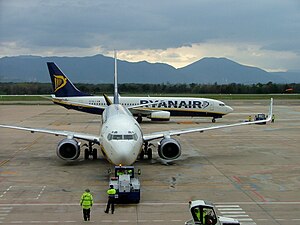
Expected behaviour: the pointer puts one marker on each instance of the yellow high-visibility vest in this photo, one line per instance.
(111, 191)
(86, 200)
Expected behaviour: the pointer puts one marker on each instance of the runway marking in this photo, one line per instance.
(25, 190)
(4, 162)
(236, 212)
(4, 211)
(5, 191)
(41, 192)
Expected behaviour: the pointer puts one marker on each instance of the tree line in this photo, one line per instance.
(165, 88)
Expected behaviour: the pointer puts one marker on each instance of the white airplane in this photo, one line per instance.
(121, 138)
(67, 95)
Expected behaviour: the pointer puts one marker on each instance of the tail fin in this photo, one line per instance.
(116, 94)
(62, 86)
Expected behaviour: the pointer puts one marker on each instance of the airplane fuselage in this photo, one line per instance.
(121, 135)
(175, 105)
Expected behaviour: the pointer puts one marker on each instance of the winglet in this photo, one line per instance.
(270, 110)
(108, 101)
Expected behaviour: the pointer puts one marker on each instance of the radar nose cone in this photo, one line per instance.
(229, 109)
(126, 154)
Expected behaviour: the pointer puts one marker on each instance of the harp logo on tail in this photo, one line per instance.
(59, 82)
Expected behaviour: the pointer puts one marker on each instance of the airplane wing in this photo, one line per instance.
(69, 134)
(143, 111)
(161, 134)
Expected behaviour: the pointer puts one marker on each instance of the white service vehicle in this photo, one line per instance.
(204, 212)
(128, 186)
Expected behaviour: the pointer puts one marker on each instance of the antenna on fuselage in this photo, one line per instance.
(116, 93)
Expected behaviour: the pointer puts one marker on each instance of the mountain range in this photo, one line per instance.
(100, 69)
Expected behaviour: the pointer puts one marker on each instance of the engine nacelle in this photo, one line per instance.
(169, 149)
(68, 149)
(160, 116)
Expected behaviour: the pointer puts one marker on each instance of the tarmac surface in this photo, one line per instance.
(251, 173)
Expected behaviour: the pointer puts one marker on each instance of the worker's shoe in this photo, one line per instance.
(106, 211)
(112, 212)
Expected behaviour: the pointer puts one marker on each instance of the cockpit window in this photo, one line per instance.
(122, 137)
(117, 137)
(221, 104)
(128, 136)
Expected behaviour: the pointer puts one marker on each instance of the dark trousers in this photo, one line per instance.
(111, 201)
(86, 214)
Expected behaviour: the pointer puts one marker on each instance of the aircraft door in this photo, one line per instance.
(211, 106)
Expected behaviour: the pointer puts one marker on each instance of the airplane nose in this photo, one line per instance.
(126, 153)
(229, 109)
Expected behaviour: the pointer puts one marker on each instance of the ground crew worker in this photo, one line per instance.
(250, 118)
(86, 202)
(120, 172)
(197, 213)
(204, 216)
(273, 118)
(111, 192)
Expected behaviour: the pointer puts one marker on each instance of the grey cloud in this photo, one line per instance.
(136, 24)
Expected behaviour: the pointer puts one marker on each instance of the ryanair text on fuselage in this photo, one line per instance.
(177, 104)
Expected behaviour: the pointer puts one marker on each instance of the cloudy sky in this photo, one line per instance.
(262, 33)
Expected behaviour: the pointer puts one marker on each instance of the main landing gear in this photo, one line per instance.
(90, 151)
(139, 118)
(213, 120)
(146, 151)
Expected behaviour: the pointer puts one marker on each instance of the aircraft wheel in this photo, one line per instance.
(94, 154)
(86, 154)
(149, 153)
(213, 120)
(139, 119)
(142, 154)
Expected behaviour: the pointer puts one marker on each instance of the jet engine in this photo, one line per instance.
(169, 149)
(68, 149)
(160, 116)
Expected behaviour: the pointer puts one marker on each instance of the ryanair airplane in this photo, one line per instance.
(121, 138)
(154, 108)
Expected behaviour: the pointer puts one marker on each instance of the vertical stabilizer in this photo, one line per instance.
(62, 86)
(116, 94)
